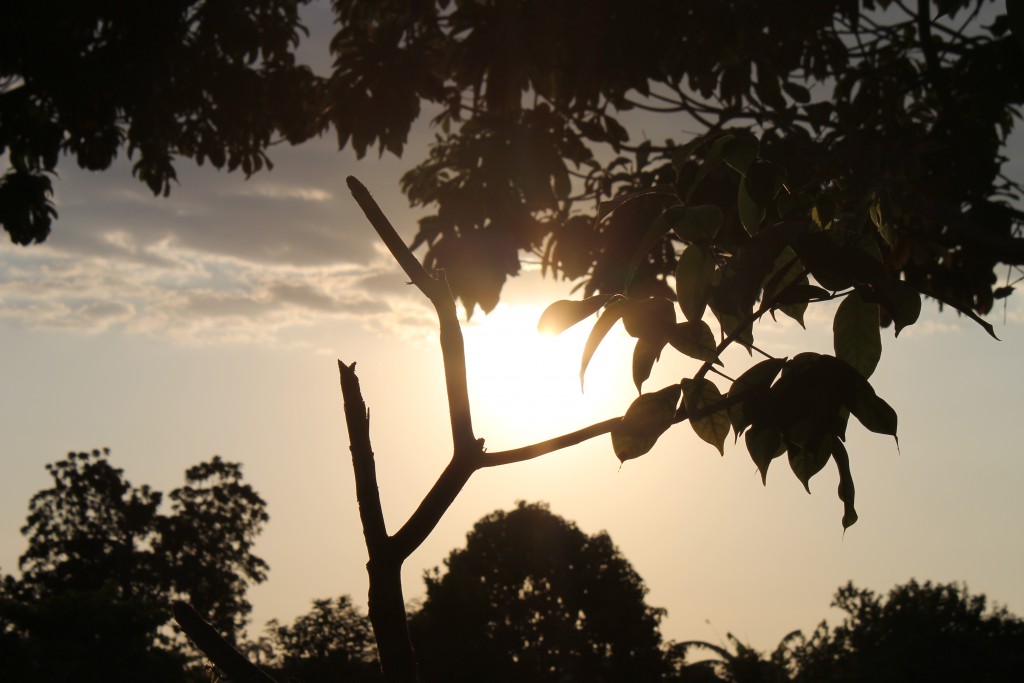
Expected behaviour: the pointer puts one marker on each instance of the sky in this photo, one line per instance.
(210, 322)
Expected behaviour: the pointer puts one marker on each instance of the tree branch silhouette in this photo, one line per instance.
(220, 651)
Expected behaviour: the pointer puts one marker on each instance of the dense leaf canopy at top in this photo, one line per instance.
(835, 150)
(209, 81)
(897, 110)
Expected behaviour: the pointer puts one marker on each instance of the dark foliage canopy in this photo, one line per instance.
(331, 642)
(104, 562)
(841, 150)
(919, 631)
(531, 597)
(209, 81)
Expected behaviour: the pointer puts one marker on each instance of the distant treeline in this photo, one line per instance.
(530, 598)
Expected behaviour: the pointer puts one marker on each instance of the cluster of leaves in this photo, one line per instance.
(872, 107)
(209, 81)
(775, 250)
(901, 110)
(104, 561)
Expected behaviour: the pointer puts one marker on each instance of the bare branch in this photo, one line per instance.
(357, 419)
(544, 447)
(436, 289)
(220, 652)
(433, 506)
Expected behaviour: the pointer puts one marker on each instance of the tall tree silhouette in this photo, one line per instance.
(531, 597)
(104, 562)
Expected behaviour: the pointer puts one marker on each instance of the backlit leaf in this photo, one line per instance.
(646, 419)
(693, 280)
(696, 223)
(662, 192)
(805, 463)
(846, 490)
(751, 213)
(604, 323)
(707, 415)
(652, 317)
(764, 445)
(657, 230)
(694, 339)
(645, 354)
(902, 302)
(740, 152)
(750, 389)
(856, 335)
(562, 315)
(873, 412)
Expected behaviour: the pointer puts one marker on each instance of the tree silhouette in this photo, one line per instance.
(209, 81)
(742, 664)
(104, 562)
(918, 632)
(531, 597)
(331, 642)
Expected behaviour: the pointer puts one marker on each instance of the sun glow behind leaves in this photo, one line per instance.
(525, 386)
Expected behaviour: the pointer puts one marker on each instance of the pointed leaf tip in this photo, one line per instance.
(646, 419)
(561, 315)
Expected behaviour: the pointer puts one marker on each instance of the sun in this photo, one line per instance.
(525, 387)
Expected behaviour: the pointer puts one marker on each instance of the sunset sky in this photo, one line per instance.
(170, 330)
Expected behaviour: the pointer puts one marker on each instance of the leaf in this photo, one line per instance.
(711, 162)
(793, 300)
(805, 463)
(645, 354)
(799, 93)
(693, 280)
(658, 228)
(751, 213)
(879, 213)
(873, 412)
(740, 152)
(696, 223)
(606, 209)
(764, 445)
(856, 336)
(694, 339)
(650, 318)
(749, 390)
(707, 415)
(846, 490)
(561, 315)
(763, 182)
(604, 323)
(838, 259)
(901, 301)
(646, 419)
(965, 311)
